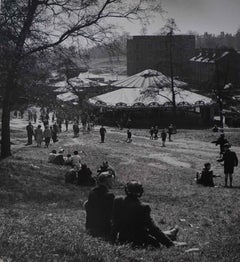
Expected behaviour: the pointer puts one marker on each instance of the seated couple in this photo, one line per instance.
(124, 220)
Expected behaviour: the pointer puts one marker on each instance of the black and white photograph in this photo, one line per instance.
(119, 130)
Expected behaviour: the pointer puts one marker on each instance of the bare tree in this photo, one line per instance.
(31, 26)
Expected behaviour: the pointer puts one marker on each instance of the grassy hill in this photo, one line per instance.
(43, 219)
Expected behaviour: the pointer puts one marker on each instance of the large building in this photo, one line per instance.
(159, 53)
(221, 66)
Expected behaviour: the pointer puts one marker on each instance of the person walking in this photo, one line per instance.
(39, 135)
(230, 160)
(164, 137)
(47, 135)
(151, 131)
(102, 132)
(30, 133)
(129, 136)
(170, 132)
(155, 131)
(66, 124)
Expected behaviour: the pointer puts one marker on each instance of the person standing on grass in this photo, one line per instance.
(164, 137)
(129, 136)
(132, 222)
(230, 160)
(55, 132)
(30, 133)
(66, 125)
(39, 135)
(99, 208)
(151, 131)
(102, 132)
(170, 132)
(47, 135)
(155, 131)
(76, 161)
(221, 141)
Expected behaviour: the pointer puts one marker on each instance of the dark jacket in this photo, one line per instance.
(99, 211)
(132, 223)
(230, 161)
(206, 178)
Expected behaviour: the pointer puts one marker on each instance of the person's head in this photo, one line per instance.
(134, 189)
(207, 166)
(105, 164)
(84, 166)
(68, 155)
(222, 135)
(54, 151)
(226, 146)
(105, 179)
(75, 152)
(39, 126)
(29, 123)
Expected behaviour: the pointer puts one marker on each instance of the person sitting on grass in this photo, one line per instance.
(52, 156)
(59, 159)
(71, 176)
(85, 176)
(68, 160)
(105, 167)
(132, 222)
(206, 178)
(99, 208)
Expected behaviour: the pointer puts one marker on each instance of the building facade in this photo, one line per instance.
(221, 66)
(160, 52)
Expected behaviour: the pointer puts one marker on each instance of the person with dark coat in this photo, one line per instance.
(132, 222)
(129, 136)
(151, 131)
(99, 208)
(59, 159)
(206, 178)
(221, 141)
(170, 132)
(230, 160)
(102, 132)
(54, 131)
(155, 131)
(85, 176)
(30, 133)
(164, 137)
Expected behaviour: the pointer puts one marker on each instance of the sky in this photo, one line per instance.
(212, 16)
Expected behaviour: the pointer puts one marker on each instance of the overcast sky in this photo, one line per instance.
(212, 16)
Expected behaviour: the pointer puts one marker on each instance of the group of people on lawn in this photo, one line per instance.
(164, 133)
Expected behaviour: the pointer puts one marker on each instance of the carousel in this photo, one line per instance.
(147, 99)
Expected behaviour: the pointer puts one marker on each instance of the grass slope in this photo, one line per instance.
(42, 219)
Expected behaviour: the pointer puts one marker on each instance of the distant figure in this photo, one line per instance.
(85, 176)
(66, 125)
(132, 222)
(76, 161)
(155, 131)
(129, 123)
(75, 129)
(55, 132)
(206, 176)
(102, 132)
(170, 132)
(221, 141)
(129, 136)
(52, 156)
(99, 208)
(30, 133)
(151, 131)
(164, 137)
(215, 129)
(39, 135)
(35, 117)
(230, 160)
(47, 135)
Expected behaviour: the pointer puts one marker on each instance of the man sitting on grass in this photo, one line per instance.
(132, 222)
(99, 208)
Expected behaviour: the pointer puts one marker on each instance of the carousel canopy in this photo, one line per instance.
(148, 78)
(149, 89)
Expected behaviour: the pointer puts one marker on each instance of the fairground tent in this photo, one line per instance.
(149, 88)
(67, 97)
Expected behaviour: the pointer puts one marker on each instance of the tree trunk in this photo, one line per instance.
(5, 142)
